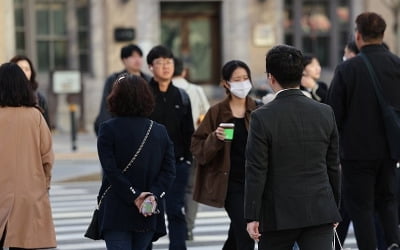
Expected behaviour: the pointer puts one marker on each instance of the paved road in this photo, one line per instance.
(73, 204)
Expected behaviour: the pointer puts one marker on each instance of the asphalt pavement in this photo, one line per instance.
(81, 164)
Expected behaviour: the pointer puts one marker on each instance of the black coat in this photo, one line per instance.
(176, 115)
(319, 93)
(292, 164)
(353, 99)
(152, 171)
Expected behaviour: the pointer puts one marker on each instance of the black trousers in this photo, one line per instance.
(308, 238)
(238, 238)
(370, 186)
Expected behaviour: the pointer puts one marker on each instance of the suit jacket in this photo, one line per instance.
(152, 171)
(353, 99)
(292, 164)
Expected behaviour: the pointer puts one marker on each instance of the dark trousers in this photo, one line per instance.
(191, 206)
(370, 185)
(238, 238)
(308, 238)
(343, 228)
(174, 203)
(128, 240)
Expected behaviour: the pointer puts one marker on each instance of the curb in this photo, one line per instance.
(76, 156)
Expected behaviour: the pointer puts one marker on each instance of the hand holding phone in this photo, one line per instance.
(148, 206)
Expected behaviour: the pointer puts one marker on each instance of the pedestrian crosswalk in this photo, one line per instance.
(73, 205)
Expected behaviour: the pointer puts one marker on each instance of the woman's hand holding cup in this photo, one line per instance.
(225, 131)
(219, 132)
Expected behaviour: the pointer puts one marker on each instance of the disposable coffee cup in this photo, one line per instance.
(228, 130)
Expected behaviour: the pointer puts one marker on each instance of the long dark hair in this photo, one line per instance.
(33, 81)
(15, 90)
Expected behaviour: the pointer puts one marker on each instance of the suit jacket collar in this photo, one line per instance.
(289, 92)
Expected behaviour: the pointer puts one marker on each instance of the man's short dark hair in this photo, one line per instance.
(285, 63)
(178, 69)
(131, 96)
(371, 26)
(127, 51)
(159, 51)
(15, 89)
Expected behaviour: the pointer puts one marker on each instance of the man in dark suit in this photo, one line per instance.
(292, 184)
(368, 170)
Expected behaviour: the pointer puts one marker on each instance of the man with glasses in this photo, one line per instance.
(173, 110)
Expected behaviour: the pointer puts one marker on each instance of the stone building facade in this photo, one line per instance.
(81, 35)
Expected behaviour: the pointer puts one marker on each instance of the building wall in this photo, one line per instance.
(119, 14)
(265, 32)
(249, 28)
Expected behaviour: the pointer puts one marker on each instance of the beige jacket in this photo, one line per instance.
(26, 160)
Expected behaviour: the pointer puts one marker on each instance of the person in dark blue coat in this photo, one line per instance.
(149, 177)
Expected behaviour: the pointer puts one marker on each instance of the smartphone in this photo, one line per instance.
(147, 207)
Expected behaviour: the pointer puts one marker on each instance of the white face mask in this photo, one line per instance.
(240, 89)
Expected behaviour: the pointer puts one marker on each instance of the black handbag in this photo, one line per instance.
(391, 116)
(93, 230)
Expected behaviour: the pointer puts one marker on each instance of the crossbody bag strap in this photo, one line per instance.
(375, 83)
(131, 161)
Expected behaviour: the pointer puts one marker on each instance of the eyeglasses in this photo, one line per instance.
(163, 62)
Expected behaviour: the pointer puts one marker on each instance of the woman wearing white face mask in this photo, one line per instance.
(220, 174)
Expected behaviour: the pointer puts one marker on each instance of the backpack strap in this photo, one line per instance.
(184, 98)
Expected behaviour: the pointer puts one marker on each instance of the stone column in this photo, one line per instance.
(148, 33)
(236, 30)
(7, 28)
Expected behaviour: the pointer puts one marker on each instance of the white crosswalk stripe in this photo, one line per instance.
(73, 204)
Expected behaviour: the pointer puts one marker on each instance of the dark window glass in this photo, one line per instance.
(59, 19)
(42, 20)
(52, 46)
(60, 55)
(83, 40)
(20, 41)
(43, 56)
(19, 27)
(82, 13)
(19, 17)
(84, 62)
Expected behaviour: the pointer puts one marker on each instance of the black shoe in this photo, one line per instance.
(189, 236)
